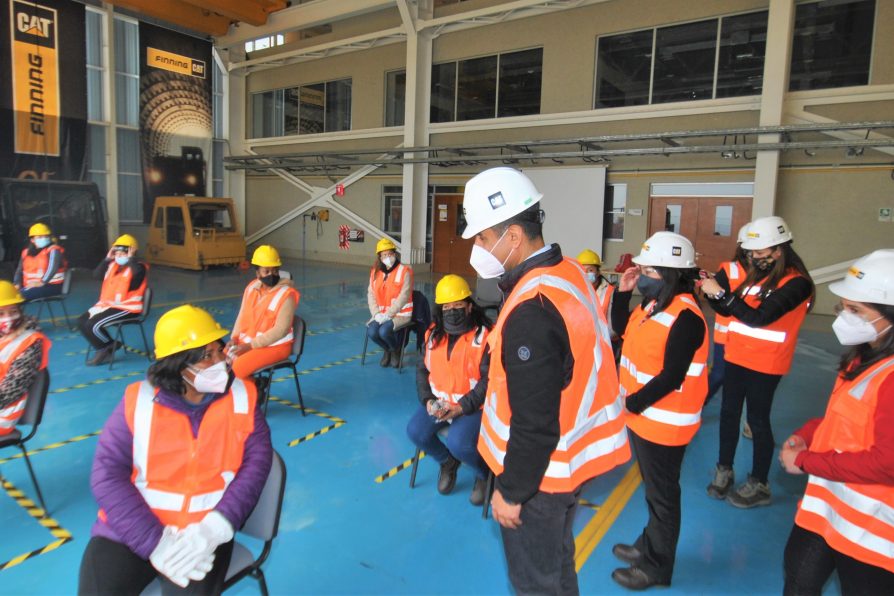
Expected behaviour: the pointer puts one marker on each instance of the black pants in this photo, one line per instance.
(809, 561)
(109, 567)
(660, 468)
(93, 328)
(540, 552)
(756, 389)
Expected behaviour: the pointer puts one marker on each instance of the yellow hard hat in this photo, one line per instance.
(184, 328)
(40, 229)
(266, 256)
(385, 244)
(9, 294)
(126, 240)
(589, 257)
(451, 288)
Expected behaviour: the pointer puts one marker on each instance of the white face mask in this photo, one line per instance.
(388, 262)
(485, 263)
(7, 323)
(41, 242)
(213, 379)
(591, 277)
(852, 330)
(122, 261)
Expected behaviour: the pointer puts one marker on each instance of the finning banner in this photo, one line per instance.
(175, 113)
(43, 111)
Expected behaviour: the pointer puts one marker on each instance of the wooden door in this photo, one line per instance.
(450, 253)
(674, 214)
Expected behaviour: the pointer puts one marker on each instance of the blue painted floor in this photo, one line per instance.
(344, 533)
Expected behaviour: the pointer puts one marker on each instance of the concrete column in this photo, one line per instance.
(112, 209)
(777, 60)
(235, 100)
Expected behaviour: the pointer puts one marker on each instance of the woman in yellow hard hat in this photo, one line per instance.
(605, 290)
(179, 466)
(23, 352)
(452, 383)
(390, 298)
(124, 279)
(42, 266)
(262, 334)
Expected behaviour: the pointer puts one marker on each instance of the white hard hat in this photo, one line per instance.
(870, 279)
(495, 195)
(666, 249)
(765, 232)
(743, 234)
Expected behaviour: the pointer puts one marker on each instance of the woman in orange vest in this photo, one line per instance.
(179, 466)
(42, 266)
(390, 298)
(664, 380)
(23, 352)
(452, 382)
(262, 334)
(605, 290)
(767, 310)
(844, 521)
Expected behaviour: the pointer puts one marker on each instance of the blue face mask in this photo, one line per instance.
(122, 261)
(649, 287)
(42, 242)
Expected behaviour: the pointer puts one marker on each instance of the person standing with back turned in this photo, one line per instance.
(552, 418)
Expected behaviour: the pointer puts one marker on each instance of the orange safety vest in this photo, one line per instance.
(855, 519)
(34, 268)
(768, 349)
(735, 273)
(10, 349)
(115, 292)
(260, 309)
(675, 418)
(387, 289)
(604, 296)
(451, 377)
(593, 438)
(182, 477)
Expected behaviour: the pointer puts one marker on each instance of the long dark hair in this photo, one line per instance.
(381, 266)
(676, 281)
(859, 358)
(769, 281)
(477, 317)
(167, 373)
(741, 256)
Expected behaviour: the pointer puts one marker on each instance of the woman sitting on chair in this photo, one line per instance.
(23, 353)
(452, 382)
(262, 334)
(390, 298)
(42, 266)
(179, 467)
(120, 299)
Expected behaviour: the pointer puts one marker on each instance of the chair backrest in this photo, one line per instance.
(263, 522)
(66, 282)
(37, 397)
(147, 304)
(299, 331)
(487, 292)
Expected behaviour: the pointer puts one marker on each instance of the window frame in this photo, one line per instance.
(610, 210)
(280, 92)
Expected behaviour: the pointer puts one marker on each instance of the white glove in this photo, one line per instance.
(205, 536)
(380, 318)
(168, 553)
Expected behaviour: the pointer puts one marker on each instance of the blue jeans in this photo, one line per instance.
(462, 440)
(718, 368)
(43, 291)
(383, 335)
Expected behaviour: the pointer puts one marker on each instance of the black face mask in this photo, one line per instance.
(649, 287)
(456, 321)
(762, 264)
(270, 280)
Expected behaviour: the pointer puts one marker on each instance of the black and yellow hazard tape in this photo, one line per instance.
(315, 434)
(586, 503)
(399, 468)
(337, 422)
(59, 533)
(52, 446)
(133, 373)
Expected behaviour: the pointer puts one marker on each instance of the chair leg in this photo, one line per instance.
(264, 395)
(488, 493)
(262, 581)
(52, 314)
(415, 467)
(298, 389)
(145, 344)
(67, 318)
(365, 342)
(34, 480)
(39, 310)
(402, 349)
(119, 336)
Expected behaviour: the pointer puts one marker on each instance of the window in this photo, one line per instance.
(309, 109)
(264, 43)
(175, 231)
(743, 43)
(684, 62)
(672, 214)
(832, 44)
(615, 207)
(520, 81)
(211, 216)
(96, 157)
(623, 69)
(476, 88)
(443, 92)
(395, 94)
(127, 72)
(393, 203)
(723, 220)
(218, 147)
(95, 67)
(130, 177)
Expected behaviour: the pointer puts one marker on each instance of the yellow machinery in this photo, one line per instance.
(194, 233)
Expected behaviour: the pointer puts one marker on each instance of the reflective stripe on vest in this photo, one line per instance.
(13, 346)
(735, 275)
(35, 267)
(387, 289)
(450, 378)
(115, 291)
(260, 310)
(10, 350)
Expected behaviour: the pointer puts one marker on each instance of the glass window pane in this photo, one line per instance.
(832, 44)
(290, 110)
(743, 42)
(94, 95)
(130, 197)
(395, 94)
(217, 166)
(175, 230)
(443, 92)
(723, 220)
(127, 100)
(266, 116)
(128, 149)
(672, 218)
(100, 179)
(520, 78)
(684, 62)
(312, 100)
(218, 116)
(127, 47)
(476, 88)
(338, 105)
(616, 205)
(96, 147)
(94, 38)
(623, 68)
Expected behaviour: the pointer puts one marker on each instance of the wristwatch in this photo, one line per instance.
(719, 294)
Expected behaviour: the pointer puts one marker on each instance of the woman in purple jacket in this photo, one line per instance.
(180, 464)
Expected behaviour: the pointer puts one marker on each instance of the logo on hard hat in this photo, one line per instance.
(646, 247)
(753, 235)
(677, 251)
(781, 229)
(856, 272)
(496, 200)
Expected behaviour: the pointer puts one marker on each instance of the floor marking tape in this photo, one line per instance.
(399, 468)
(337, 421)
(52, 446)
(126, 375)
(312, 435)
(586, 503)
(61, 534)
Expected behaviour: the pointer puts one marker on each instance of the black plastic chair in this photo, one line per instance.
(37, 398)
(488, 489)
(119, 326)
(60, 298)
(299, 332)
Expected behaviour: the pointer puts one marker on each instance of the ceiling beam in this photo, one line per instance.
(180, 13)
(253, 12)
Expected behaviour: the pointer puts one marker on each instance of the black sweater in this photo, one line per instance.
(780, 301)
(139, 272)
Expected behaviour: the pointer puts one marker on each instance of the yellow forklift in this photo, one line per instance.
(194, 233)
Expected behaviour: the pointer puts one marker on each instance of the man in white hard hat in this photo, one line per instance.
(553, 416)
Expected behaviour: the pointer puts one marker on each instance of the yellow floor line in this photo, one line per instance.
(593, 532)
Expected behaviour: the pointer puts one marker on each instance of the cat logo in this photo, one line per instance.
(34, 24)
(175, 63)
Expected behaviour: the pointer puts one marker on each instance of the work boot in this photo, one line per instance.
(395, 359)
(634, 578)
(751, 494)
(386, 359)
(627, 553)
(447, 475)
(478, 492)
(722, 483)
(101, 356)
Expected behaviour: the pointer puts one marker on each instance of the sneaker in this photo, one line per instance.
(447, 476)
(746, 432)
(751, 494)
(386, 359)
(477, 496)
(722, 483)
